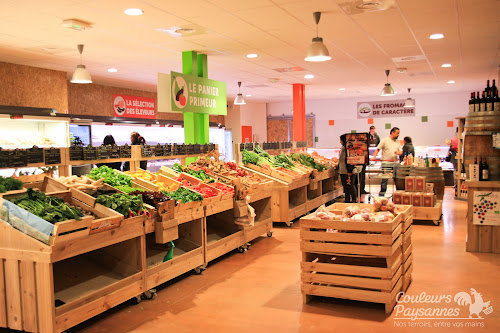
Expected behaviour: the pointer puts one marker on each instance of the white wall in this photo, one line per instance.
(254, 114)
(233, 122)
(439, 108)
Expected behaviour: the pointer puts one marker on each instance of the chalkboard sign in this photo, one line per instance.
(35, 155)
(168, 150)
(18, 158)
(114, 151)
(267, 145)
(104, 152)
(52, 156)
(159, 150)
(197, 149)
(146, 151)
(4, 158)
(248, 146)
(125, 151)
(89, 153)
(189, 149)
(75, 153)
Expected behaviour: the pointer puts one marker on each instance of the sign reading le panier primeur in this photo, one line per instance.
(133, 107)
(382, 109)
(195, 94)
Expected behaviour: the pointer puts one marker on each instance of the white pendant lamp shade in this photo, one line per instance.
(81, 74)
(410, 103)
(317, 51)
(387, 90)
(239, 100)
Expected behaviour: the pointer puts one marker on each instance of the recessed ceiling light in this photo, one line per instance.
(252, 55)
(309, 76)
(446, 65)
(451, 82)
(134, 11)
(112, 70)
(436, 36)
(248, 95)
(341, 89)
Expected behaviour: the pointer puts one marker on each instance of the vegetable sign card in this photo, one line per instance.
(486, 208)
(357, 148)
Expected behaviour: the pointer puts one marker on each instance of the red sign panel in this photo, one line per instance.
(134, 107)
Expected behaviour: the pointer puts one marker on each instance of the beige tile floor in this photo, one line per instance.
(259, 291)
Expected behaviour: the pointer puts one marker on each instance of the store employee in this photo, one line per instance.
(391, 148)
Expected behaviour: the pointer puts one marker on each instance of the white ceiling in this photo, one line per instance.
(362, 45)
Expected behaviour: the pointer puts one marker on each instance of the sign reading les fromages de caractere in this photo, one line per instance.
(195, 94)
(382, 109)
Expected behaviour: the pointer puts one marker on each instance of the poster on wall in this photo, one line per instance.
(134, 107)
(486, 210)
(357, 148)
(196, 94)
(384, 109)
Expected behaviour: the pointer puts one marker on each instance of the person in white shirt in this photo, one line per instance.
(391, 148)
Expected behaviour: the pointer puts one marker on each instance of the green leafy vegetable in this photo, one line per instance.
(111, 176)
(200, 174)
(184, 195)
(308, 161)
(127, 205)
(128, 189)
(10, 184)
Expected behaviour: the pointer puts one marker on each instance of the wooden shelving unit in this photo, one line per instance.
(460, 160)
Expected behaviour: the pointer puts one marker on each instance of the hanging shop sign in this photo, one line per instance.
(486, 208)
(196, 94)
(134, 107)
(383, 109)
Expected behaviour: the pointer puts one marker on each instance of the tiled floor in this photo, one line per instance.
(259, 291)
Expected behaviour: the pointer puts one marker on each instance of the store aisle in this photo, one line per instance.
(259, 291)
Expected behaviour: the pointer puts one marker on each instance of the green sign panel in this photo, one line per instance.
(196, 94)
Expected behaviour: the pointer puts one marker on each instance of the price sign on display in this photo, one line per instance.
(134, 107)
(357, 148)
(486, 208)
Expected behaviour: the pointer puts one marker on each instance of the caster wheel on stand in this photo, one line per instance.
(269, 234)
(198, 270)
(150, 294)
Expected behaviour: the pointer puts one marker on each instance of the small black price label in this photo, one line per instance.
(52, 156)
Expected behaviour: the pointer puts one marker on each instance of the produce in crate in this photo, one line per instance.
(141, 174)
(308, 161)
(381, 204)
(354, 213)
(111, 176)
(127, 205)
(128, 189)
(10, 184)
(205, 191)
(226, 190)
(152, 198)
(184, 182)
(200, 174)
(183, 195)
(49, 208)
(81, 183)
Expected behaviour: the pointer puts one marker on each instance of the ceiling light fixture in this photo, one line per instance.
(436, 36)
(446, 65)
(81, 74)
(252, 55)
(387, 91)
(112, 70)
(239, 100)
(134, 11)
(248, 95)
(451, 82)
(410, 103)
(342, 89)
(317, 51)
(309, 76)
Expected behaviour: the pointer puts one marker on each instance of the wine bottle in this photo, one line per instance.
(463, 173)
(494, 89)
(471, 102)
(496, 101)
(488, 88)
(426, 161)
(489, 101)
(480, 169)
(477, 102)
(482, 106)
(485, 171)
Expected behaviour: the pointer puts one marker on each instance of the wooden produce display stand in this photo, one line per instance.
(365, 261)
(482, 237)
(461, 190)
(434, 214)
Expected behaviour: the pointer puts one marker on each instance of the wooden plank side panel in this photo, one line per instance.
(354, 226)
(376, 272)
(495, 247)
(346, 237)
(347, 293)
(44, 277)
(13, 288)
(486, 238)
(3, 301)
(348, 281)
(28, 289)
(383, 251)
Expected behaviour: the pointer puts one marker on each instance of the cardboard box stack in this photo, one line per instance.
(417, 193)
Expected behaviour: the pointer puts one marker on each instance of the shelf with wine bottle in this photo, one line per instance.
(487, 101)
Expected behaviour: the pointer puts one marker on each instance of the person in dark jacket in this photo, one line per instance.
(346, 174)
(407, 148)
(109, 140)
(373, 141)
(136, 139)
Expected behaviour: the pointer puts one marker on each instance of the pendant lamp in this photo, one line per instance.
(81, 74)
(387, 91)
(410, 103)
(239, 100)
(317, 51)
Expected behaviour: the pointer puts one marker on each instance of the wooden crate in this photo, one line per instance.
(433, 214)
(48, 185)
(166, 231)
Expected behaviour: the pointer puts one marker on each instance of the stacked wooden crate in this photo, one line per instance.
(354, 260)
(406, 213)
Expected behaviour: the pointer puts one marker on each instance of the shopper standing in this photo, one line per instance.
(373, 141)
(109, 140)
(136, 139)
(407, 148)
(346, 173)
(391, 149)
